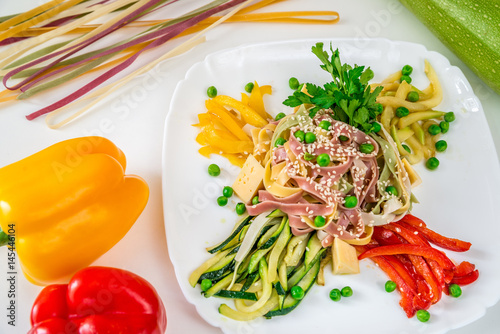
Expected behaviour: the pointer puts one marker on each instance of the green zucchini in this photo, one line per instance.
(304, 268)
(236, 295)
(251, 279)
(313, 248)
(470, 28)
(276, 213)
(222, 284)
(264, 244)
(233, 235)
(290, 303)
(216, 271)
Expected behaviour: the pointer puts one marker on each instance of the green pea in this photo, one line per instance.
(441, 145)
(455, 290)
(323, 160)
(227, 191)
(255, 200)
(240, 208)
(297, 292)
(350, 202)
(445, 126)
(405, 78)
(407, 148)
(206, 284)
(366, 148)
(413, 96)
(390, 286)
(378, 108)
(434, 129)
(213, 170)
(279, 142)
(343, 138)
(249, 87)
(325, 125)
(300, 135)
(309, 156)
(310, 137)
(335, 295)
(212, 92)
(449, 116)
(293, 83)
(423, 315)
(402, 112)
(222, 200)
(319, 221)
(376, 127)
(432, 163)
(407, 70)
(346, 291)
(392, 190)
(279, 116)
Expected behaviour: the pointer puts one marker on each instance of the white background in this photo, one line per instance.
(135, 123)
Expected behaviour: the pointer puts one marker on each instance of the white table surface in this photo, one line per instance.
(139, 133)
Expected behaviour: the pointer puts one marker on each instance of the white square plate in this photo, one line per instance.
(457, 200)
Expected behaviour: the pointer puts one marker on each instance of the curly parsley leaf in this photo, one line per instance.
(348, 95)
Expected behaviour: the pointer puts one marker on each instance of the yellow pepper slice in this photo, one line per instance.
(248, 114)
(68, 204)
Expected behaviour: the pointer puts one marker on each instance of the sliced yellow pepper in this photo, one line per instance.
(248, 114)
(67, 205)
(256, 101)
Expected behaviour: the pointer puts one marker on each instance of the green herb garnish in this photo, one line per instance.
(348, 95)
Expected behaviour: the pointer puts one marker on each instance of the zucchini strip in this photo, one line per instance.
(233, 235)
(267, 290)
(195, 275)
(278, 248)
(245, 316)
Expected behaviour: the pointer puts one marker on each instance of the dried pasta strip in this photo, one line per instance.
(103, 92)
(24, 45)
(37, 19)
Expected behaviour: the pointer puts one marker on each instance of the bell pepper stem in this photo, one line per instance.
(4, 238)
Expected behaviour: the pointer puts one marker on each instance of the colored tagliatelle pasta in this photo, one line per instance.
(325, 184)
(362, 183)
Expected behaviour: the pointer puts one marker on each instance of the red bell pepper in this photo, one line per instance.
(436, 238)
(99, 300)
(427, 252)
(465, 274)
(466, 279)
(464, 268)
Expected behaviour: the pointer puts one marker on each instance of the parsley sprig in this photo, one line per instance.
(348, 95)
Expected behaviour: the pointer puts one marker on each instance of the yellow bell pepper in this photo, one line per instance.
(67, 205)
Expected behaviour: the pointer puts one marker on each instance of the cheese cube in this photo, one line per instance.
(344, 258)
(250, 179)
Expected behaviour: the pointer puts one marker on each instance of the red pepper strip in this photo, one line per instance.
(427, 252)
(464, 268)
(415, 234)
(423, 269)
(455, 245)
(412, 220)
(467, 279)
(99, 300)
(436, 238)
(407, 295)
(433, 276)
(385, 237)
(403, 272)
